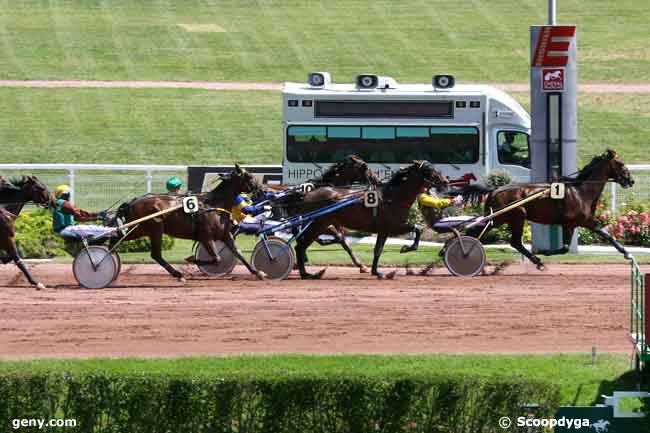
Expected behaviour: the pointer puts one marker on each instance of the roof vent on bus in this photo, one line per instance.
(370, 81)
(443, 81)
(319, 80)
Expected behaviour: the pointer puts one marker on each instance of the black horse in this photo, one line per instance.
(14, 195)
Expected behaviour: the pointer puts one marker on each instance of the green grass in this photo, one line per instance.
(273, 40)
(581, 383)
(189, 127)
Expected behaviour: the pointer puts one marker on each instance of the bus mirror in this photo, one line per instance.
(443, 81)
(319, 79)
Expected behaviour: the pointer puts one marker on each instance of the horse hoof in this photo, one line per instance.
(627, 256)
(541, 267)
(182, 280)
(405, 249)
(320, 274)
(260, 275)
(363, 270)
(391, 275)
(40, 286)
(190, 259)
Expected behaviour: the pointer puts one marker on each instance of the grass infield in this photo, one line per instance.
(276, 41)
(194, 127)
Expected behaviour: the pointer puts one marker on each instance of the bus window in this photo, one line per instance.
(513, 148)
(384, 144)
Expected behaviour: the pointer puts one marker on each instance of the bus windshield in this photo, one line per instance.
(384, 144)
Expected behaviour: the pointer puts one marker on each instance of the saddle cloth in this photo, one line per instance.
(85, 231)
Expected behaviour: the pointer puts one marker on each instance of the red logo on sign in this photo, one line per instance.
(553, 79)
(553, 46)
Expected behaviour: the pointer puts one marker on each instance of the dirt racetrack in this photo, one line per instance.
(568, 308)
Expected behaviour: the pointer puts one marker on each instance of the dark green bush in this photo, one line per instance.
(107, 403)
(143, 245)
(37, 240)
(35, 237)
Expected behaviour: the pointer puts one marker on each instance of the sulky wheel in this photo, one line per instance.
(95, 267)
(277, 265)
(468, 263)
(118, 262)
(225, 265)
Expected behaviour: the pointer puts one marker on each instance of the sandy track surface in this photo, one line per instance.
(242, 85)
(568, 308)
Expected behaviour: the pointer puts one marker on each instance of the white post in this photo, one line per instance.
(71, 183)
(149, 181)
(552, 17)
(613, 205)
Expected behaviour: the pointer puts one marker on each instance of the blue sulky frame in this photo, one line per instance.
(304, 221)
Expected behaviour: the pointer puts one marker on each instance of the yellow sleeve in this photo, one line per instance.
(236, 211)
(436, 203)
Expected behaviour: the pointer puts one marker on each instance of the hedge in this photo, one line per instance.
(111, 402)
(36, 239)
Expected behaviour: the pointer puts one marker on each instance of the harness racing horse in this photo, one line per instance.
(205, 226)
(389, 218)
(13, 197)
(352, 169)
(576, 209)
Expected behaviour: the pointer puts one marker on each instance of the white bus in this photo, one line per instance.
(461, 129)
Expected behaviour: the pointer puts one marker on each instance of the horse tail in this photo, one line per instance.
(473, 194)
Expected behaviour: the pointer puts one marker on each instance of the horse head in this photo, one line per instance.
(34, 190)
(430, 175)
(417, 177)
(350, 170)
(617, 169)
(242, 181)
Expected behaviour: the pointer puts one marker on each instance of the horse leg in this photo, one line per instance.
(156, 254)
(302, 243)
(379, 248)
(18, 261)
(344, 244)
(13, 255)
(416, 241)
(516, 232)
(609, 238)
(334, 232)
(230, 243)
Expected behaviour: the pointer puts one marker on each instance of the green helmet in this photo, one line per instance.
(174, 183)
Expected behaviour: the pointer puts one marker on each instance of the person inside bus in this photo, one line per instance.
(509, 151)
(65, 213)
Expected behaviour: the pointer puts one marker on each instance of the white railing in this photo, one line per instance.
(99, 185)
(641, 189)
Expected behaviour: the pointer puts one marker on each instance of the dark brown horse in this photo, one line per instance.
(13, 197)
(577, 209)
(351, 170)
(390, 218)
(210, 223)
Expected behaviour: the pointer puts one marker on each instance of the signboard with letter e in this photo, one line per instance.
(553, 79)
